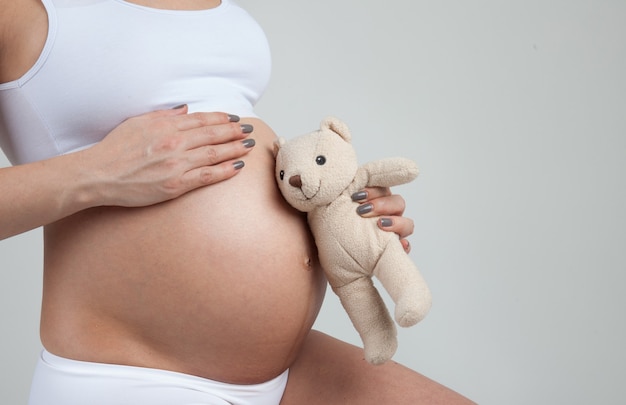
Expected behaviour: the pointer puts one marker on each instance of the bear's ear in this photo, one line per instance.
(337, 126)
(277, 144)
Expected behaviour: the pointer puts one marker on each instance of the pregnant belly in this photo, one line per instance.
(222, 282)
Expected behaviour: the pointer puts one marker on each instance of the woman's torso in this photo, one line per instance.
(222, 282)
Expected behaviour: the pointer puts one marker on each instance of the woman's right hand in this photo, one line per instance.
(161, 155)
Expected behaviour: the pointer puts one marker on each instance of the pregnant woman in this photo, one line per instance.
(174, 273)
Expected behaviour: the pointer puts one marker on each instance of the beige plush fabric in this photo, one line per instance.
(317, 174)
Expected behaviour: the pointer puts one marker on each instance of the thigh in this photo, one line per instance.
(329, 371)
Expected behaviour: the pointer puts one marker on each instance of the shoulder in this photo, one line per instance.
(12, 10)
(17, 14)
(23, 28)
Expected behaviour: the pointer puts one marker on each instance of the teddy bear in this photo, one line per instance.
(317, 173)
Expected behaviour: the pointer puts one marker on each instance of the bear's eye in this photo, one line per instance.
(320, 160)
(282, 174)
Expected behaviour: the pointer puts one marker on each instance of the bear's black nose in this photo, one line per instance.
(295, 181)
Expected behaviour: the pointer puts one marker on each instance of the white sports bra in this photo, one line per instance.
(107, 60)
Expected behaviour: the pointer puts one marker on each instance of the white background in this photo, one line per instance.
(516, 115)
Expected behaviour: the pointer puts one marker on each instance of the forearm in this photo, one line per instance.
(127, 168)
(40, 193)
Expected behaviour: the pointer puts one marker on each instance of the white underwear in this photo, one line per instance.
(60, 381)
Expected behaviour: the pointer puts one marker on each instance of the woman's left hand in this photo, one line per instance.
(380, 202)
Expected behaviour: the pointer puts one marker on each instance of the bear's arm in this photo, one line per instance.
(386, 173)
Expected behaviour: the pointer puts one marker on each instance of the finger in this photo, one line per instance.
(387, 205)
(370, 193)
(204, 119)
(406, 245)
(401, 226)
(177, 110)
(215, 154)
(207, 175)
(216, 134)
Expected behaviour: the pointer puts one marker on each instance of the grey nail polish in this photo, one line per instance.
(359, 195)
(239, 164)
(233, 118)
(246, 128)
(364, 209)
(248, 143)
(385, 222)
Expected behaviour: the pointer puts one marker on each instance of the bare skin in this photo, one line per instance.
(344, 378)
(147, 286)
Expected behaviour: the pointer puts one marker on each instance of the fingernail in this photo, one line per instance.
(364, 209)
(233, 118)
(246, 128)
(239, 164)
(385, 222)
(248, 143)
(178, 107)
(359, 195)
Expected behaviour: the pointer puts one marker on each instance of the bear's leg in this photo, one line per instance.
(404, 283)
(371, 319)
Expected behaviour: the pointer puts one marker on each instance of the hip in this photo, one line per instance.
(57, 380)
